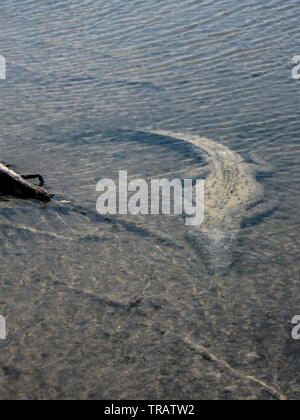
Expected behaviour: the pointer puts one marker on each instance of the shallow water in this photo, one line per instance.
(100, 308)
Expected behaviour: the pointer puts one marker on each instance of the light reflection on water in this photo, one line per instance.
(97, 309)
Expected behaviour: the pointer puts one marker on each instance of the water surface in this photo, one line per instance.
(100, 309)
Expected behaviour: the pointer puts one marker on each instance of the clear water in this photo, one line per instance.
(97, 309)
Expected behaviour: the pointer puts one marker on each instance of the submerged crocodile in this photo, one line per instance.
(11, 183)
(232, 194)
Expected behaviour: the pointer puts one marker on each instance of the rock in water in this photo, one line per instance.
(13, 184)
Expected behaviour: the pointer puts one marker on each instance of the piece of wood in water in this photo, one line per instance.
(13, 184)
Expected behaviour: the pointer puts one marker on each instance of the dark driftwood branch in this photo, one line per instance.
(11, 183)
(40, 178)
